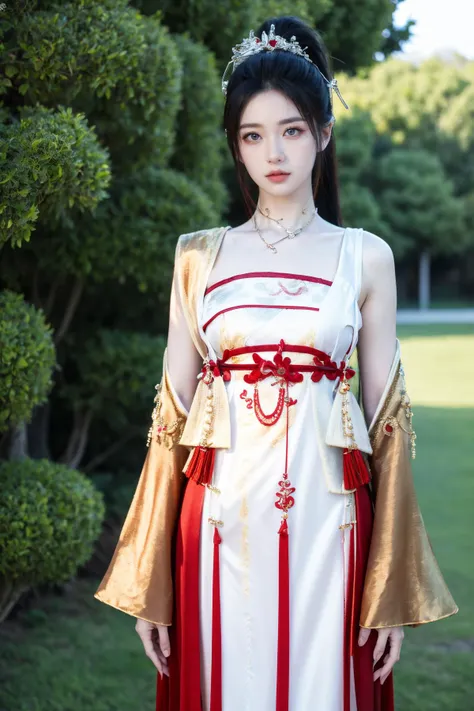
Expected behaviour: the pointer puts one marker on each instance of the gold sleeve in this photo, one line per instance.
(139, 577)
(403, 584)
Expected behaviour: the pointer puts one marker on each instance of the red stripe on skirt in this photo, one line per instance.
(216, 671)
(370, 695)
(283, 652)
(348, 624)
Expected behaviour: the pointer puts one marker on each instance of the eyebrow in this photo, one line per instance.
(280, 123)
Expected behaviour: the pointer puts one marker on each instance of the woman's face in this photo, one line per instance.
(274, 137)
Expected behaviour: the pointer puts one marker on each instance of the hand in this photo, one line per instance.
(395, 635)
(156, 642)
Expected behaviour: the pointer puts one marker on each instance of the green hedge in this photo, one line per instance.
(133, 235)
(50, 516)
(27, 358)
(50, 160)
(121, 69)
(201, 147)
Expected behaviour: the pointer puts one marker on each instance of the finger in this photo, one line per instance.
(165, 670)
(164, 640)
(393, 657)
(151, 653)
(164, 661)
(378, 672)
(364, 635)
(379, 648)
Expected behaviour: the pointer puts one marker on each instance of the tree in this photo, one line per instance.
(353, 32)
(426, 110)
(422, 213)
(355, 145)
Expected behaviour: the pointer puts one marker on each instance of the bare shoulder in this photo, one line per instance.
(244, 229)
(378, 263)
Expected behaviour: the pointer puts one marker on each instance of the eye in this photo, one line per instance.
(247, 135)
(294, 128)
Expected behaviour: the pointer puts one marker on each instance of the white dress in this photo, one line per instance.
(253, 309)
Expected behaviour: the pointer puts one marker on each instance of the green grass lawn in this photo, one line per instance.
(437, 303)
(75, 654)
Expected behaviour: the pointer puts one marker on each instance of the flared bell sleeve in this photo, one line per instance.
(403, 584)
(138, 580)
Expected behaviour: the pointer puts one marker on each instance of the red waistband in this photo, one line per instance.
(279, 347)
(281, 366)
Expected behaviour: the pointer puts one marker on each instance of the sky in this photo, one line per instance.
(440, 26)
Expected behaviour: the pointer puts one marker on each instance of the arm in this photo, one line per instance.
(377, 337)
(184, 360)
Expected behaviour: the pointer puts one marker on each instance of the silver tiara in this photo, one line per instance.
(253, 45)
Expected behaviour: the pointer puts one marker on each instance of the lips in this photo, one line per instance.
(277, 172)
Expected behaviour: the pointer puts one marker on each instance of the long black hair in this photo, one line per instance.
(304, 85)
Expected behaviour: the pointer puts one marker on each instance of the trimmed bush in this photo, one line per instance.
(50, 516)
(49, 160)
(108, 61)
(27, 357)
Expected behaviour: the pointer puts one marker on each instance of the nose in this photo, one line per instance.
(275, 152)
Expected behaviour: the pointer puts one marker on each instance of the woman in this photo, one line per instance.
(295, 550)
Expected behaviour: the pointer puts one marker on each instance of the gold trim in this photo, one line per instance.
(116, 607)
(411, 624)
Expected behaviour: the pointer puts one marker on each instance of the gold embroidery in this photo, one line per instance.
(165, 433)
(388, 424)
(214, 489)
(381, 419)
(406, 403)
(215, 521)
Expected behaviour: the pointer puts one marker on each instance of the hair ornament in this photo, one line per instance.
(253, 45)
(332, 85)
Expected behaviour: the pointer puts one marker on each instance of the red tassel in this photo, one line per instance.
(216, 673)
(355, 469)
(201, 465)
(283, 655)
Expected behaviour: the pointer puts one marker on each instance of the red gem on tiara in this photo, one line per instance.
(272, 43)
